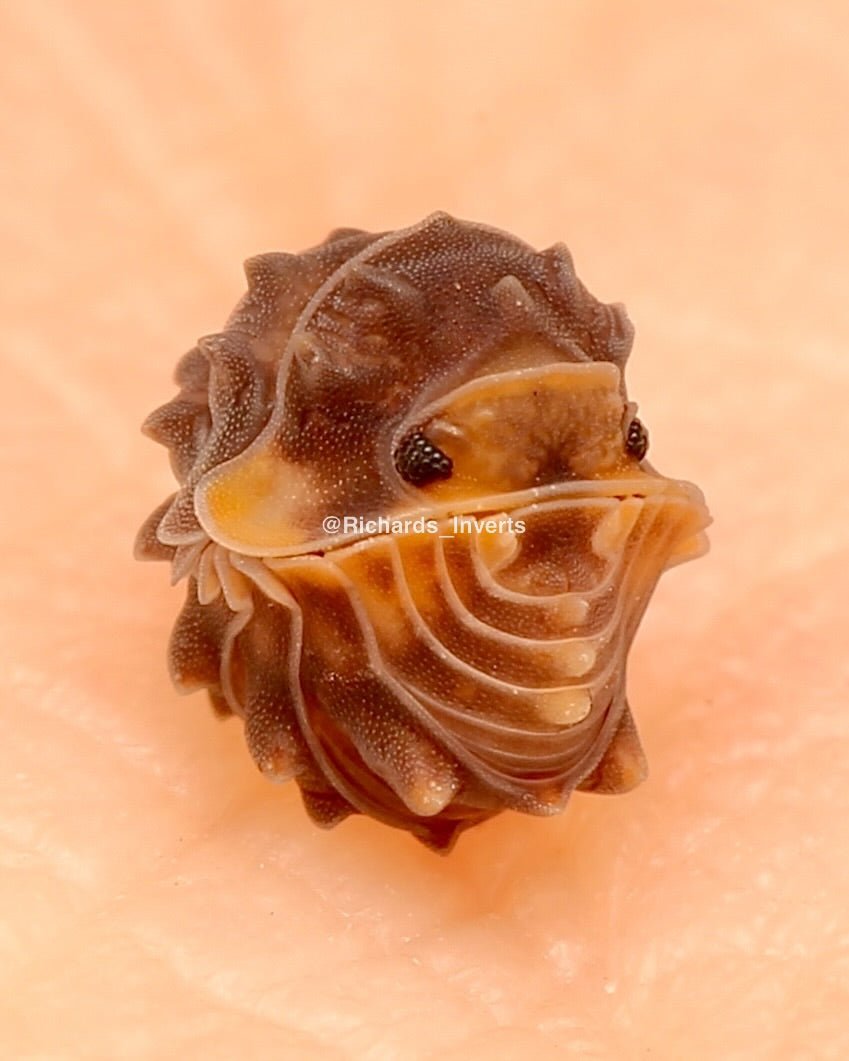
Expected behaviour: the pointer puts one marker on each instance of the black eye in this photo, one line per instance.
(418, 461)
(637, 439)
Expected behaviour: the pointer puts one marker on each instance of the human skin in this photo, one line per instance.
(159, 898)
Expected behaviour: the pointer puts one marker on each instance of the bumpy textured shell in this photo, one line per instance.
(427, 674)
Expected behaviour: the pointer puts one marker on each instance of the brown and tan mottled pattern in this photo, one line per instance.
(430, 679)
(159, 899)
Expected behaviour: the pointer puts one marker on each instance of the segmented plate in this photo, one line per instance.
(456, 645)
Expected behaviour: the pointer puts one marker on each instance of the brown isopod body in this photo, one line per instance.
(455, 644)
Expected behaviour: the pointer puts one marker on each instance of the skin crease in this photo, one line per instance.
(159, 898)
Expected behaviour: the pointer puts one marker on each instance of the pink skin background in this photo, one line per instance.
(159, 899)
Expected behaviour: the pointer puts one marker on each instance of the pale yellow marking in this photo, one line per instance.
(615, 527)
(498, 548)
(579, 658)
(574, 610)
(429, 797)
(256, 503)
(565, 707)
